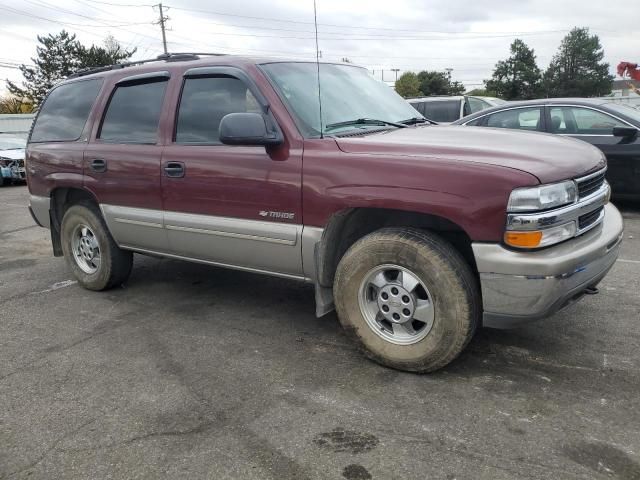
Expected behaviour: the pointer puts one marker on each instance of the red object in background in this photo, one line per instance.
(630, 69)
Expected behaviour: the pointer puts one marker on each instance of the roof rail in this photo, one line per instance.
(167, 57)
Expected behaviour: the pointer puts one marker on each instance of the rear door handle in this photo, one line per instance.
(98, 165)
(174, 169)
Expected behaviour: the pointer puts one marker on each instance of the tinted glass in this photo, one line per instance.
(476, 104)
(205, 101)
(442, 110)
(520, 119)
(133, 113)
(65, 112)
(419, 106)
(348, 93)
(582, 121)
(627, 110)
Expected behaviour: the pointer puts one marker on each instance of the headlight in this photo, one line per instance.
(540, 238)
(542, 197)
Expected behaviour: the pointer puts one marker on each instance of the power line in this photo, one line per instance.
(26, 14)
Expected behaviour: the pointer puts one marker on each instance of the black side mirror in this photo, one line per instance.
(247, 129)
(625, 132)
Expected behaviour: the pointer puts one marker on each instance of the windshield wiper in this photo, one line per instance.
(415, 120)
(364, 121)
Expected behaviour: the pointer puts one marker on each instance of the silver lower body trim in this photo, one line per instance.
(40, 208)
(216, 264)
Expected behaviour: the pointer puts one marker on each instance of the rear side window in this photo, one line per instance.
(442, 110)
(520, 119)
(205, 101)
(65, 112)
(133, 113)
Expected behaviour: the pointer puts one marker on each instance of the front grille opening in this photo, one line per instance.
(588, 219)
(587, 187)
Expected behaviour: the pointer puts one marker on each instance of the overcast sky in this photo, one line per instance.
(467, 36)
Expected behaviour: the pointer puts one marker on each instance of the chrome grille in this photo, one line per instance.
(588, 219)
(590, 184)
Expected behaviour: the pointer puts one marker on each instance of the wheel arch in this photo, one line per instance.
(61, 199)
(346, 227)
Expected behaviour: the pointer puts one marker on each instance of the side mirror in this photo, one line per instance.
(625, 132)
(247, 129)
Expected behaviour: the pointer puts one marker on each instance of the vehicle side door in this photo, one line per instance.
(230, 204)
(122, 161)
(596, 127)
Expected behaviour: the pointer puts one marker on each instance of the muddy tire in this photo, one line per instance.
(91, 252)
(408, 298)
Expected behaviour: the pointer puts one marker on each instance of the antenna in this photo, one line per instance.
(315, 22)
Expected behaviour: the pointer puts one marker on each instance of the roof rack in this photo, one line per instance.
(167, 57)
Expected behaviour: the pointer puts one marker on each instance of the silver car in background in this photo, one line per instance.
(447, 109)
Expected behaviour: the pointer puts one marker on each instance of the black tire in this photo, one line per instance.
(115, 263)
(452, 286)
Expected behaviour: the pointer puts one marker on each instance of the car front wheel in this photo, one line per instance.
(408, 298)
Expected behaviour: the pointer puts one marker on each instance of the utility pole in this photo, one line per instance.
(396, 70)
(162, 22)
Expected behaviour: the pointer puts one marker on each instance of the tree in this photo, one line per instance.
(577, 70)
(518, 77)
(408, 85)
(14, 105)
(481, 92)
(438, 83)
(58, 56)
(111, 53)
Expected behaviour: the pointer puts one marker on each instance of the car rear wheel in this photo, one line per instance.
(408, 298)
(94, 257)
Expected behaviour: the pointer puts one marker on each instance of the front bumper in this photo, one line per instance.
(519, 287)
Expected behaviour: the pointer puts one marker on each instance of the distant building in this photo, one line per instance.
(622, 88)
(17, 124)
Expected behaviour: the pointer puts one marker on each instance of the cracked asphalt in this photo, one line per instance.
(196, 372)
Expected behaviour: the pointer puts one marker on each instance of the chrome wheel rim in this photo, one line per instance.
(85, 249)
(396, 304)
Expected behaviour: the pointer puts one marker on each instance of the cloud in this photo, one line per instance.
(468, 36)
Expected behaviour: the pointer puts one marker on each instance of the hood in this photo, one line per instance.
(550, 158)
(12, 153)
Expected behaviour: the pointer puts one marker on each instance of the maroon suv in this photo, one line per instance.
(419, 233)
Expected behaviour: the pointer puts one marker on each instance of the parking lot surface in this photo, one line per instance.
(189, 371)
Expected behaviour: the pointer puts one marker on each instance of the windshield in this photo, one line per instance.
(348, 93)
(626, 110)
(11, 143)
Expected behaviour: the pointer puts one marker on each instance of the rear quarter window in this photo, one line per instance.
(442, 110)
(65, 111)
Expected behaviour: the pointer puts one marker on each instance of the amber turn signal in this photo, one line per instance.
(523, 239)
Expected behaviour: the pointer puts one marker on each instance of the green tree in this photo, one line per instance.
(58, 56)
(438, 83)
(518, 77)
(577, 70)
(111, 53)
(408, 85)
(12, 104)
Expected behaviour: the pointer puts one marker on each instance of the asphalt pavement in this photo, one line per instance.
(190, 371)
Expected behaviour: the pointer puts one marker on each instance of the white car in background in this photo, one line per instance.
(12, 160)
(447, 109)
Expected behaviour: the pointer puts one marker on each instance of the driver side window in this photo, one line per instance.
(204, 101)
(582, 121)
